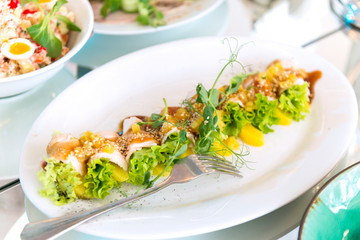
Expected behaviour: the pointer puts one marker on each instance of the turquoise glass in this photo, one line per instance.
(334, 213)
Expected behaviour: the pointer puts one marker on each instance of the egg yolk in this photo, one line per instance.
(19, 48)
(44, 1)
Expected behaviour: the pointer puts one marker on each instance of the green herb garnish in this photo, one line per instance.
(209, 130)
(42, 32)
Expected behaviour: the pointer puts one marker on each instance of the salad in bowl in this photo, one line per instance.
(37, 34)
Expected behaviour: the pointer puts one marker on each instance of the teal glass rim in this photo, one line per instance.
(316, 197)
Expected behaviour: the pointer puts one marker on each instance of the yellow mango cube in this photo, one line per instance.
(222, 150)
(284, 119)
(251, 136)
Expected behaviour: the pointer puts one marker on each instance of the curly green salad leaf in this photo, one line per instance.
(99, 179)
(143, 161)
(265, 115)
(294, 101)
(235, 118)
(262, 117)
(59, 180)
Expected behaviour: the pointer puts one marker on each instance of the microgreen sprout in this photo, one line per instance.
(209, 128)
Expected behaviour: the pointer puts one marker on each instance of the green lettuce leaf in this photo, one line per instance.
(99, 180)
(59, 180)
(235, 118)
(265, 113)
(143, 161)
(294, 101)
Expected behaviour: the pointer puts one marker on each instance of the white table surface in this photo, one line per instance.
(302, 24)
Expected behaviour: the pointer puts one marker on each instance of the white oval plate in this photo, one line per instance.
(197, 10)
(293, 159)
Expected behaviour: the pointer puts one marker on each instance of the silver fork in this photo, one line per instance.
(183, 171)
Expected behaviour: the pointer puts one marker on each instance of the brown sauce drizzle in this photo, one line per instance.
(312, 78)
(43, 165)
(172, 110)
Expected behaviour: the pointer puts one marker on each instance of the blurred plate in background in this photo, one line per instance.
(196, 10)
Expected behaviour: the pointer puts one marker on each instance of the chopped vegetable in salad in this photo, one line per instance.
(215, 121)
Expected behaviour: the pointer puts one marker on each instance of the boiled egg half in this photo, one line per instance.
(47, 3)
(18, 48)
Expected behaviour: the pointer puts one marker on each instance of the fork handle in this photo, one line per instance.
(53, 227)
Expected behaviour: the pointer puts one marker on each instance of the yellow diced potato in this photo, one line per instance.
(119, 173)
(284, 119)
(251, 136)
(158, 170)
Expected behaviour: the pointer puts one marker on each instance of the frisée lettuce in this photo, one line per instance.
(59, 180)
(295, 101)
(99, 179)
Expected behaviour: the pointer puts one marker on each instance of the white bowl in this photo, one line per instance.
(84, 18)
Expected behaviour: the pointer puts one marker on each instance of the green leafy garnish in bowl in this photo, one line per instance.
(43, 34)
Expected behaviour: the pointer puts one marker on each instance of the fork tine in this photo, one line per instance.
(214, 160)
(236, 174)
(218, 163)
(219, 166)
